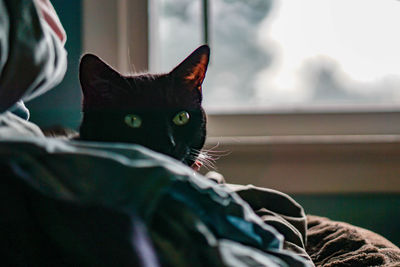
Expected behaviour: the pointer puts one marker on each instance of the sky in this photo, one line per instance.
(359, 36)
(274, 52)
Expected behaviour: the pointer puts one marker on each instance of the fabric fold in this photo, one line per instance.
(32, 58)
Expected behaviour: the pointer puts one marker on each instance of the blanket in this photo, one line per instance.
(331, 243)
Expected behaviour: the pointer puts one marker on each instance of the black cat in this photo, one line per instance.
(162, 112)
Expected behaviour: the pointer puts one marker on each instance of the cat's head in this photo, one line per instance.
(162, 112)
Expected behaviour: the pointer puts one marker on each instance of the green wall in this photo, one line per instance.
(61, 106)
(377, 212)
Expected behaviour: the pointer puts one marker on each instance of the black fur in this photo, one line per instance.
(108, 97)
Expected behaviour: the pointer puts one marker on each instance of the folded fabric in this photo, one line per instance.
(20, 110)
(32, 58)
(280, 211)
(332, 243)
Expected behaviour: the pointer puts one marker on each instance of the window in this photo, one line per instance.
(319, 123)
(270, 53)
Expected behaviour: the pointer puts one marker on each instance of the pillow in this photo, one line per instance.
(32, 57)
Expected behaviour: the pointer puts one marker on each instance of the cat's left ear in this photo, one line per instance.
(193, 69)
(98, 81)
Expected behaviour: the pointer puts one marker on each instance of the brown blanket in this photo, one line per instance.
(331, 243)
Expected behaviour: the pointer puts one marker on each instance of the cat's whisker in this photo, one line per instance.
(208, 165)
(221, 154)
(208, 161)
(216, 154)
(213, 151)
(215, 146)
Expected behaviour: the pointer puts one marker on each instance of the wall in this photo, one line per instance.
(377, 212)
(61, 106)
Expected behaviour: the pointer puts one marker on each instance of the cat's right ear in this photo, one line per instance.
(95, 76)
(193, 69)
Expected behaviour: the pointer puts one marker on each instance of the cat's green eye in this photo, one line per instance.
(181, 118)
(133, 121)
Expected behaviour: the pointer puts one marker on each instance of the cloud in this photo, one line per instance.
(283, 52)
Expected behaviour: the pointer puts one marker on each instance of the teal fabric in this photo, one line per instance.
(20, 110)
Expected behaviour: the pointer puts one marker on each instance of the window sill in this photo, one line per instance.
(303, 140)
(312, 163)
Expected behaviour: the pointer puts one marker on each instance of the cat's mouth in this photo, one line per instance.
(179, 153)
(196, 165)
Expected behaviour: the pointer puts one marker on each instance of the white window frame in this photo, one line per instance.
(295, 149)
(117, 31)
